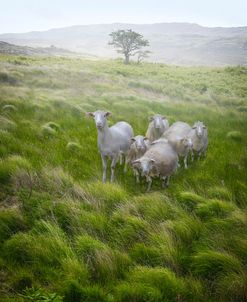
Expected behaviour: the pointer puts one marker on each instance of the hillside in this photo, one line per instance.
(65, 236)
(7, 48)
(173, 43)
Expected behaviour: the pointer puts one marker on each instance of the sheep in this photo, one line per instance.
(199, 137)
(177, 135)
(138, 147)
(160, 160)
(112, 141)
(157, 126)
(182, 145)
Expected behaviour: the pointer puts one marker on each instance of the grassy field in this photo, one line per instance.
(65, 236)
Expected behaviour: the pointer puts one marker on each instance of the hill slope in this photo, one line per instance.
(176, 43)
(65, 234)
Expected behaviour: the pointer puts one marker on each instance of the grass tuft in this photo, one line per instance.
(73, 147)
(7, 124)
(235, 135)
(213, 264)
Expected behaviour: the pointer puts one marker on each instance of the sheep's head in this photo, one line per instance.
(144, 165)
(100, 118)
(187, 142)
(199, 128)
(140, 142)
(157, 120)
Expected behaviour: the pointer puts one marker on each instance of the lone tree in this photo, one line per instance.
(127, 42)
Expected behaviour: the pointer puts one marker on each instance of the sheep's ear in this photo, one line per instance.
(90, 114)
(194, 127)
(152, 160)
(145, 138)
(204, 127)
(132, 139)
(137, 161)
(151, 118)
(108, 114)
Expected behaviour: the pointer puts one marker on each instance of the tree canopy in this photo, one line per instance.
(127, 42)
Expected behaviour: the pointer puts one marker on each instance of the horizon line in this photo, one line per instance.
(120, 23)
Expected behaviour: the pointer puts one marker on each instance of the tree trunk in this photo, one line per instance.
(127, 59)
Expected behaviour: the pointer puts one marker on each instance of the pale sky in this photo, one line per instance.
(29, 15)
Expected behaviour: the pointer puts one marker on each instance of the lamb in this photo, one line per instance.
(113, 141)
(199, 137)
(160, 160)
(139, 146)
(177, 135)
(157, 126)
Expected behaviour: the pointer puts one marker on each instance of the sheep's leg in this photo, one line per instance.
(168, 180)
(192, 156)
(121, 158)
(137, 176)
(104, 163)
(149, 181)
(185, 161)
(164, 181)
(125, 163)
(113, 164)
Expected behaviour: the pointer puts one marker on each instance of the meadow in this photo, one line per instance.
(65, 236)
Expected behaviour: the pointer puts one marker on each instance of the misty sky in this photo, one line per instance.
(28, 15)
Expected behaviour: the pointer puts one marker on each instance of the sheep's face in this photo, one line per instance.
(100, 118)
(199, 128)
(187, 142)
(158, 120)
(144, 165)
(140, 142)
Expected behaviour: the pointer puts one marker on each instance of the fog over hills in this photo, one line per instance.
(173, 43)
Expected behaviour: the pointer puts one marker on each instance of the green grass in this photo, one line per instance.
(65, 234)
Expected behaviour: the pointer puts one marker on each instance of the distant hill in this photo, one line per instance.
(7, 48)
(174, 43)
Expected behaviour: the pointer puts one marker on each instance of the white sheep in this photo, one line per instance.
(138, 147)
(160, 160)
(199, 137)
(112, 141)
(157, 126)
(177, 135)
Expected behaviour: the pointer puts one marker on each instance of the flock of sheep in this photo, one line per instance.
(154, 155)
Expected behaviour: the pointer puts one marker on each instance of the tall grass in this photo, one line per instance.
(63, 232)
